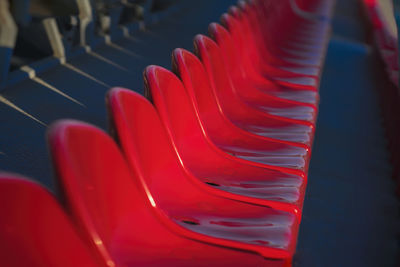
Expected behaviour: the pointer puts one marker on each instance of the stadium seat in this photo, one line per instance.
(250, 94)
(239, 128)
(279, 35)
(260, 43)
(246, 183)
(224, 90)
(292, 22)
(35, 231)
(257, 80)
(298, 38)
(149, 213)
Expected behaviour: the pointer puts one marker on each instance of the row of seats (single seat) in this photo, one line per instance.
(382, 16)
(210, 172)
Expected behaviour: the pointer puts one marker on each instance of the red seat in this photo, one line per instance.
(35, 231)
(251, 95)
(292, 29)
(278, 44)
(230, 104)
(150, 214)
(253, 136)
(246, 183)
(255, 78)
(295, 26)
(278, 33)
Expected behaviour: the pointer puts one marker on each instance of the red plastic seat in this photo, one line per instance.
(248, 134)
(276, 32)
(150, 214)
(247, 183)
(256, 79)
(292, 29)
(251, 95)
(275, 35)
(35, 231)
(208, 162)
(296, 23)
(231, 105)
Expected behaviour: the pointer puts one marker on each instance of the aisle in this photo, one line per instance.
(351, 213)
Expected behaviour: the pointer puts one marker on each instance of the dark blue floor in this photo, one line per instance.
(350, 214)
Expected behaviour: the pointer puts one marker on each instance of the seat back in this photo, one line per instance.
(242, 33)
(35, 231)
(220, 82)
(256, 24)
(215, 104)
(144, 139)
(178, 113)
(229, 50)
(97, 184)
(249, 54)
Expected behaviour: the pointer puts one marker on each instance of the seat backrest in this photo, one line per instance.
(278, 21)
(242, 31)
(317, 7)
(143, 138)
(98, 186)
(220, 82)
(252, 18)
(148, 148)
(214, 104)
(177, 112)
(35, 231)
(229, 50)
(249, 54)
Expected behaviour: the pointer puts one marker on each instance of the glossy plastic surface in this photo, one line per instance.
(229, 102)
(282, 39)
(251, 141)
(143, 215)
(250, 94)
(34, 229)
(256, 79)
(310, 32)
(279, 42)
(221, 176)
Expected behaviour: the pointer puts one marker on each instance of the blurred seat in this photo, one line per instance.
(184, 126)
(278, 33)
(253, 136)
(236, 110)
(214, 172)
(284, 30)
(264, 83)
(34, 229)
(251, 95)
(150, 213)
